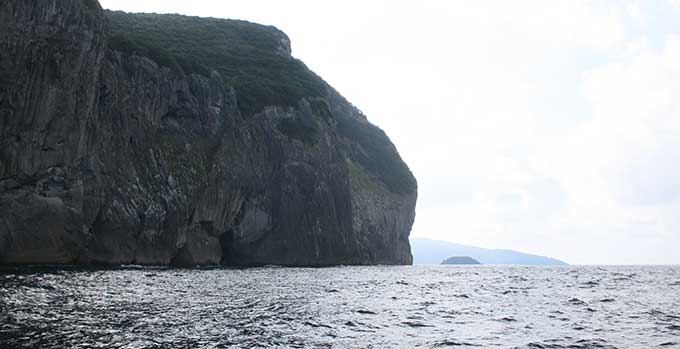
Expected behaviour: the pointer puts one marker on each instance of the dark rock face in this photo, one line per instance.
(460, 260)
(109, 157)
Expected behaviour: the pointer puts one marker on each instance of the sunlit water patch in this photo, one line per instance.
(378, 307)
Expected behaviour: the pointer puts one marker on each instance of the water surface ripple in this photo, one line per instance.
(371, 307)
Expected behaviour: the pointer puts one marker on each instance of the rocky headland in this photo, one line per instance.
(171, 140)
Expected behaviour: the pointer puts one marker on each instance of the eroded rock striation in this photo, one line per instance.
(164, 139)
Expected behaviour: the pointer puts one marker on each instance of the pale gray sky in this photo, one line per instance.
(550, 127)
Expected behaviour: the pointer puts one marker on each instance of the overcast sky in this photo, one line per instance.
(550, 127)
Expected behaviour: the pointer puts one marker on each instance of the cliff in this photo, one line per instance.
(164, 139)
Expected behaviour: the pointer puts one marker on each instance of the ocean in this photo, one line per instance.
(342, 307)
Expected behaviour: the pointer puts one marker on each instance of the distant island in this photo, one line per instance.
(427, 251)
(161, 139)
(464, 260)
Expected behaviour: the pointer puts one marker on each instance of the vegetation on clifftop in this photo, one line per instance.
(243, 53)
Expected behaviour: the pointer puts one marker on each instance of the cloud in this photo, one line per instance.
(613, 164)
(652, 177)
(620, 168)
(636, 120)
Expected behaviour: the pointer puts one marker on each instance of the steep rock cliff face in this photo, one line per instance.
(118, 150)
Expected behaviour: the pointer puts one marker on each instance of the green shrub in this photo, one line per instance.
(297, 129)
(242, 52)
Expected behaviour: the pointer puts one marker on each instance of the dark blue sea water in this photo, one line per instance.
(343, 307)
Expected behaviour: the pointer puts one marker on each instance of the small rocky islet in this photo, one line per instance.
(460, 260)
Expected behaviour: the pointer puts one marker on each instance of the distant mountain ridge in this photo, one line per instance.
(427, 251)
